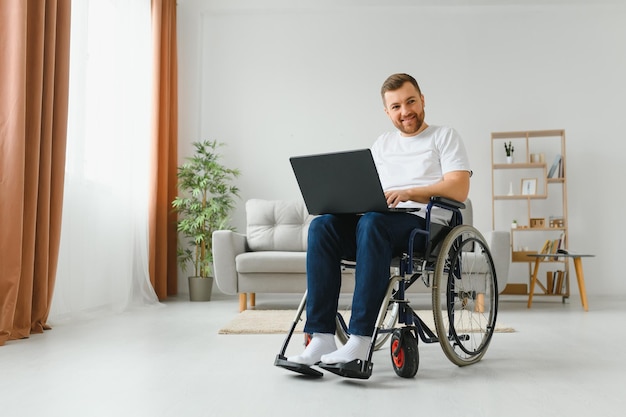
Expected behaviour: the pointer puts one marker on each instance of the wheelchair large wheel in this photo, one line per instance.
(389, 322)
(465, 296)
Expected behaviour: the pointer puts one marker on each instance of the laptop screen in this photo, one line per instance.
(340, 182)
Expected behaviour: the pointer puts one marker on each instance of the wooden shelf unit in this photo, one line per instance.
(534, 154)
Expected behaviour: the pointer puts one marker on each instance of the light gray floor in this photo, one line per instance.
(170, 361)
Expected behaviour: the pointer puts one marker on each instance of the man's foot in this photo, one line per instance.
(320, 344)
(356, 348)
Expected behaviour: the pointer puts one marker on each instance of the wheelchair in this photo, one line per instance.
(454, 261)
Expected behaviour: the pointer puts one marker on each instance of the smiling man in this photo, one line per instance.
(415, 163)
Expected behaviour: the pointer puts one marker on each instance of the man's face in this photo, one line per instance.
(405, 108)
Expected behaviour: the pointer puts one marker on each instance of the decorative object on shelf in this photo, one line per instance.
(537, 158)
(204, 205)
(537, 222)
(508, 148)
(514, 224)
(529, 186)
(556, 222)
(510, 188)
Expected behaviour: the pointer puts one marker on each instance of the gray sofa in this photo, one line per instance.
(271, 256)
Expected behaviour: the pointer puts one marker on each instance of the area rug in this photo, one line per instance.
(280, 321)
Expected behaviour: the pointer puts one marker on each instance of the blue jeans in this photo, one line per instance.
(371, 239)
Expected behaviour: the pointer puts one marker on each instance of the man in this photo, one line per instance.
(414, 163)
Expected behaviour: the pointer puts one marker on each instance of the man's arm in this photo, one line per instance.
(454, 185)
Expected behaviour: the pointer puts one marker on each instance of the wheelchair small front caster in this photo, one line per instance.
(404, 353)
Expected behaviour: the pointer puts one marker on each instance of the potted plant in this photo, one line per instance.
(508, 148)
(205, 201)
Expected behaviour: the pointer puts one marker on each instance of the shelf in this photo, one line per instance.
(551, 294)
(522, 289)
(522, 256)
(537, 229)
(515, 289)
(521, 165)
(527, 134)
(521, 197)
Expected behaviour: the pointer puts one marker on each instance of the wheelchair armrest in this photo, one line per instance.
(448, 203)
(434, 233)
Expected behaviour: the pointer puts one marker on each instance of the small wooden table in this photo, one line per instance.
(578, 266)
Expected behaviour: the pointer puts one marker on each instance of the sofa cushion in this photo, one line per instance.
(279, 262)
(277, 225)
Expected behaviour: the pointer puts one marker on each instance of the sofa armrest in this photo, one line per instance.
(226, 246)
(500, 246)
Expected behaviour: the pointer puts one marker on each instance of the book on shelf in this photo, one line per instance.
(559, 282)
(555, 282)
(555, 170)
(552, 246)
(545, 249)
(559, 244)
(550, 285)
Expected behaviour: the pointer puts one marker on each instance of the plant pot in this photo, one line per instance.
(509, 159)
(200, 289)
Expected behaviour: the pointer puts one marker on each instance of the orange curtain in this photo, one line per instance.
(163, 267)
(34, 83)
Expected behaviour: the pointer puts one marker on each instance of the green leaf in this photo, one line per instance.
(207, 197)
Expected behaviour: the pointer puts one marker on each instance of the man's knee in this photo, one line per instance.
(322, 223)
(372, 221)
(324, 228)
(372, 230)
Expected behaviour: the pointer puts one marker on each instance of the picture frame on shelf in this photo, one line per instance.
(529, 186)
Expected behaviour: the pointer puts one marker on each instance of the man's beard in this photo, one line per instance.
(419, 122)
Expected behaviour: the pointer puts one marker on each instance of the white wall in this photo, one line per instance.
(278, 78)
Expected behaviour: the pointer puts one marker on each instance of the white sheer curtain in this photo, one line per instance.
(103, 262)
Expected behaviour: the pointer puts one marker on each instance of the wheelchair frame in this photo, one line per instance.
(464, 318)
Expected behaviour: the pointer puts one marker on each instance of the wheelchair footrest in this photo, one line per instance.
(300, 368)
(357, 368)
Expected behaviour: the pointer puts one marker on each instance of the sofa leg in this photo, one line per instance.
(252, 299)
(479, 307)
(243, 301)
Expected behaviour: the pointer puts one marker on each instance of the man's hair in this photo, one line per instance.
(395, 81)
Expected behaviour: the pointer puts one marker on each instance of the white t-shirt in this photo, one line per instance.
(405, 162)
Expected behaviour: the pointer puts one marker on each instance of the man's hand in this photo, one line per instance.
(394, 197)
(454, 185)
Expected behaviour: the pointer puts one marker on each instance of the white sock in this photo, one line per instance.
(320, 344)
(356, 348)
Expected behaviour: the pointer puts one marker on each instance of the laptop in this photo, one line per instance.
(341, 183)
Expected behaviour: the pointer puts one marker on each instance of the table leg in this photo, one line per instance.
(533, 281)
(580, 277)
